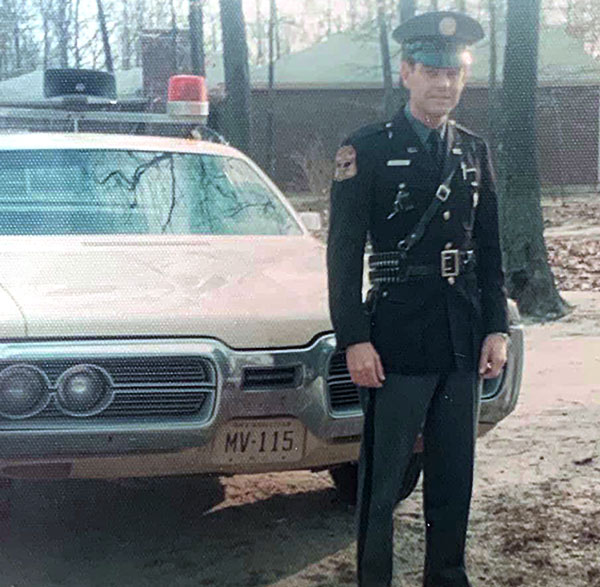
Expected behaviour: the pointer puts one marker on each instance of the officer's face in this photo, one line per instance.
(434, 92)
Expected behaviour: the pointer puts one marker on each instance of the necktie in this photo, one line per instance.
(436, 148)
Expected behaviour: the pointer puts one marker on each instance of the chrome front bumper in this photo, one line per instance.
(318, 394)
(235, 396)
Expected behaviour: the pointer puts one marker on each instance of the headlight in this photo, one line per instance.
(83, 391)
(23, 391)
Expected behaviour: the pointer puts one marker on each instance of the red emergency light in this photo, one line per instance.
(188, 96)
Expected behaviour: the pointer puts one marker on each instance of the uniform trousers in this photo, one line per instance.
(445, 407)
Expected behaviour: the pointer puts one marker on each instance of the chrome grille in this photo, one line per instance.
(343, 394)
(171, 371)
(144, 386)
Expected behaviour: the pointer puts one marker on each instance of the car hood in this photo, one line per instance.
(249, 292)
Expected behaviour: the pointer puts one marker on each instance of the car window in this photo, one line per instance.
(69, 192)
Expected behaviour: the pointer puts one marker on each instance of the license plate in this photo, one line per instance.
(260, 441)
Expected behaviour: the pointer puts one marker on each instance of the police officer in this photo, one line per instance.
(421, 188)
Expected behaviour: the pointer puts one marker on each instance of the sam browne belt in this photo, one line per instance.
(393, 266)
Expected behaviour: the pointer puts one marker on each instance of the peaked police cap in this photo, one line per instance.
(438, 39)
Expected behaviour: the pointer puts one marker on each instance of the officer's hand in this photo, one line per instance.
(493, 356)
(364, 365)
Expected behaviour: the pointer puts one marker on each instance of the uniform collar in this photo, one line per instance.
(401, 126)
(423, 131)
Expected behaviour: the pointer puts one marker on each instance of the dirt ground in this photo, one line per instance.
(535, 517)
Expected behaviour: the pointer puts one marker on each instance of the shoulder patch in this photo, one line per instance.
(345, 163)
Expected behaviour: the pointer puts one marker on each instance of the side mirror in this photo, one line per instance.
(312, 220)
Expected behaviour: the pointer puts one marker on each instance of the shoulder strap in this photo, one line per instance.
(418, 232)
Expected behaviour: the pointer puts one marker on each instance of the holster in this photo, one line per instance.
(372, 299)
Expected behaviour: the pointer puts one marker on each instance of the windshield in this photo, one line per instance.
(67, 192)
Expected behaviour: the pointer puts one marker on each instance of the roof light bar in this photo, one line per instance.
(188, 96)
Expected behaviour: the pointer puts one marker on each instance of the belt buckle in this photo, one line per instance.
(450, 263)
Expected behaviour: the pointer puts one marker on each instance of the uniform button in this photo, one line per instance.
(447, 215)
(448, 246)
(385, 294)
(451, 280)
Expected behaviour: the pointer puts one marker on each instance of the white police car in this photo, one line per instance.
(164, 311)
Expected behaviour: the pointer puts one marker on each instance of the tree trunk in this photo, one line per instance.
(175, 61)
(389, 105)
(260, 50)
(198, 56)
(76, 49)
(105, 40)
(271, 93)
(214, 36)
(529, 278)
(353, 15)
(406, 9)
(61, 23)
(46, 27)
(277, 33)
(461, 5)
(17, 35)
(493, 110)
(237, 74)
(139, 25)
(125, 38)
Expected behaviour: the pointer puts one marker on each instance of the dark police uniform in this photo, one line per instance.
(437, 291)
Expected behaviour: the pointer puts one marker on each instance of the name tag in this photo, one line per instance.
(457, 151)
(399, 162)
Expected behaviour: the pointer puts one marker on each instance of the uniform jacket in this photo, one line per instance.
(425, 324)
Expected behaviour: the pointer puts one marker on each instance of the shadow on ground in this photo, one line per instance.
(164, 532)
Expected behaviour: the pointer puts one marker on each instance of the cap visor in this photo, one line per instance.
(441, 60)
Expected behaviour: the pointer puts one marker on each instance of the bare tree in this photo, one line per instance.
(17, 38)
(493, 110)
(237, 74)
(406, 9)
(196, 20)
(259, 33)
(76, 30)
(61, 23)
(46, 29)
(529, 278)
(214, 34)
(277, 30)
(126, 48)
(352, 11)
(108, 60)
(271, 93)
(139, 27)
(583, 21)
(384, 44)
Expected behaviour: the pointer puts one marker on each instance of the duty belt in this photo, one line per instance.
(394, 267)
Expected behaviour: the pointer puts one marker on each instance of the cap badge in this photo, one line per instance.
(448, 26)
